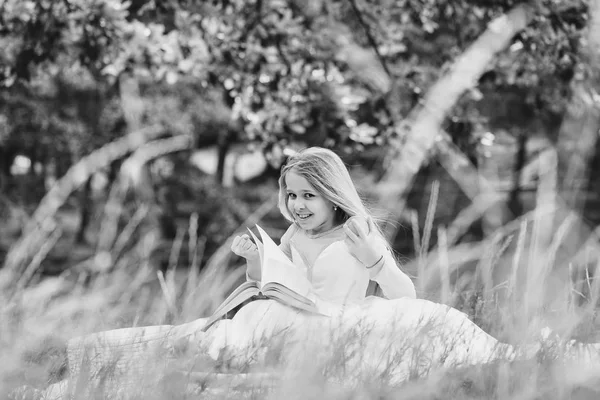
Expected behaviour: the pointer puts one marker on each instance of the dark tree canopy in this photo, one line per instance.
(337, 73)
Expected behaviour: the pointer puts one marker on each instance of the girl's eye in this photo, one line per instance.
(309, 195)
(291, 195)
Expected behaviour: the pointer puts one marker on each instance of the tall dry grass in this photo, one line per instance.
(511, 284)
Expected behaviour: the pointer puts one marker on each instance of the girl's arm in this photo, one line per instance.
(253, 269)
(372, 251)
(393, 282)
(244, 247)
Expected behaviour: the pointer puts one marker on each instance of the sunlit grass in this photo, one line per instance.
(506, 283)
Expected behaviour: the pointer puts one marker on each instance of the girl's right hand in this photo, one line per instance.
(243, 246)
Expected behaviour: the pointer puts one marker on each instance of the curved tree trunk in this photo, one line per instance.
(420, 136)
(41, 225)
(223, 145)
(514, 199)
(113, 173)
(575, 148)
(578, 133)
(85, 210)
(139, 174)
(7, 156)
(473, 184)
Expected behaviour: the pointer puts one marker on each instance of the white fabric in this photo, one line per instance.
(336, 275)
(387, 339)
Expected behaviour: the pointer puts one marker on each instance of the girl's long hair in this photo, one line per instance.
(326, 172)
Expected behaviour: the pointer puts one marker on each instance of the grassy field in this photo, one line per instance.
(512, 285)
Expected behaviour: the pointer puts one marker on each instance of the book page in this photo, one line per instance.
(275, 289)
(277, 267)
(242, 293)
(291, 298)
(234, 298)
(260, 247)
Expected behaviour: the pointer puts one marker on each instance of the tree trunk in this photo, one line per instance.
(33, 237)
(33, 158)
(576, 145)
(7, 156)
(460, 167)
(420, 138)
(481, 192)
(113, 173)
(85, 210)
(222, 148)
(514, 199)
(577, 141)
(63, 164)
(579, 132)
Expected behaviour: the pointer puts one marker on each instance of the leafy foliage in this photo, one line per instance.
(271, 73)
(335, 73)
(340, 73)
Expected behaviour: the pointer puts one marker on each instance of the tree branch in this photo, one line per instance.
(369, 35)
(420, 135)
(41, 224)
(579, 131)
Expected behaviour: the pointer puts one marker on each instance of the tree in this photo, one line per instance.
(340, 74)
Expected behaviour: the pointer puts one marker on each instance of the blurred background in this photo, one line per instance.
(142, 135)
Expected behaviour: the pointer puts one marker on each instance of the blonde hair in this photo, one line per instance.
(326, 172)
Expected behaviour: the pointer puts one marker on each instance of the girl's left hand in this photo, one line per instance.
(360, 244)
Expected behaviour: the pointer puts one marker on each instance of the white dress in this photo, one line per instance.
(395, 337)
(384, 339)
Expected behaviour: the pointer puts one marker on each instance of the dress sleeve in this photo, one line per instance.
(284, 244)
(393, 282)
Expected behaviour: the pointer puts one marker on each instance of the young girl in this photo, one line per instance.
(335, 241)
(329, 218)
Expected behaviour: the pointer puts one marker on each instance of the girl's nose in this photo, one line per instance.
(299, 205)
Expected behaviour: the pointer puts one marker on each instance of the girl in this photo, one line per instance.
(334, 240)
(328, 217)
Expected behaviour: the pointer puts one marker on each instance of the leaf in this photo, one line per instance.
(364, 133)
(297, 128)
(171, 77)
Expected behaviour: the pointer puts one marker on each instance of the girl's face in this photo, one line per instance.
(312, 212)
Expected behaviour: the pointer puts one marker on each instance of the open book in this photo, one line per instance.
(281, 280)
